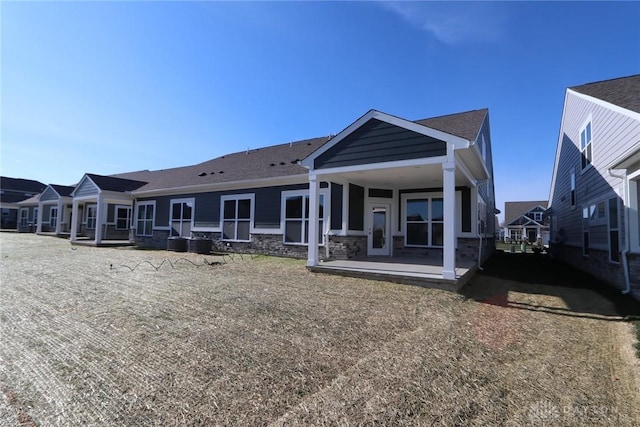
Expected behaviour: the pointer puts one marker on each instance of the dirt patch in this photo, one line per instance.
(89, 339)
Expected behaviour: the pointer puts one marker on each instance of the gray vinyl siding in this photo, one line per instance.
(613, 134)
(87, 188)
(377, 141)
(49, 194)
(486, 189)
(207, 206)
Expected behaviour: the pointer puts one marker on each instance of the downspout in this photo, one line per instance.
(625, 251)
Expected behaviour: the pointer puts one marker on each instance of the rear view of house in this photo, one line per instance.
(595, 186)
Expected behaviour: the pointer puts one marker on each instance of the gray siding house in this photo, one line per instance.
(12, 191)
(54, 210)
(596, 182)
(384, 187)
(526, 221)
(28, 214)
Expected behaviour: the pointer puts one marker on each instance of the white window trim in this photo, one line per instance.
(86, 215)
(633, 187)
(35, 215)
(434, 195)
(24, 211)
(582, 128)
(115, 216)
(153, 218)
(537, 216)
(51, 210)
(172, 202)
(250, 196)
(325, 192)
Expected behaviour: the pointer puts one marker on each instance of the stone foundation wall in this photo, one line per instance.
(596, 263)
(346, 247)
(157, 241)
(468, 248)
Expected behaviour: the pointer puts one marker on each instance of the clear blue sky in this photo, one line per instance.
(109, 87)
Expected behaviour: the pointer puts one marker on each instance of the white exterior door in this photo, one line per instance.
(379, 229)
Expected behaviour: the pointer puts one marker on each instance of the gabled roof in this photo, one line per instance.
(514, 210)
(257, 164)
(62, 190)
(623, 92)
(466, 125)
(111, 183)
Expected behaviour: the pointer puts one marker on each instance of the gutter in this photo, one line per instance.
(625, 251)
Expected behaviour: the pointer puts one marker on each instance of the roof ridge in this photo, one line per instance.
(452, 114)
(604, 81)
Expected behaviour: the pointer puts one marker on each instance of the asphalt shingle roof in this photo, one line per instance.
(13, 189)
(623, 91)
(465, 125)
(111, 183)
(274, 161)
(63, 190)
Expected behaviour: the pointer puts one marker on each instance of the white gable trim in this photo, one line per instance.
(608, 105)
(558, 149)
(82, 181)
(396, 121)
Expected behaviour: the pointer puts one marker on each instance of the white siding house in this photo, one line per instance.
(594, 189)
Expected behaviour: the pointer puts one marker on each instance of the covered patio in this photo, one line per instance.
(411, 194)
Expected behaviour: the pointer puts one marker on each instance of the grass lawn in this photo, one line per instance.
(103, 336)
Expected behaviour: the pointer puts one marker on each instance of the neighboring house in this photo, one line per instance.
(526, 221)
(28, 214)
(595, 186)
(54, 209)
(12, 191)
(101, 208)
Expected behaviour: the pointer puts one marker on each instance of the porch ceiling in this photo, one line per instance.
(423, 176)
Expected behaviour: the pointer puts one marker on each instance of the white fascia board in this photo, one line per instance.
(608, 105)
(224, 186)
(383, 165)
(554, 174)
(465, 171)
(393, 120)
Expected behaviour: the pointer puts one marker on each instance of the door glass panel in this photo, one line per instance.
(379, 228)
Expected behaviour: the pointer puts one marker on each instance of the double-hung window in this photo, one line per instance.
(585, 145)
(92, 213)
(53, 217)
(123, 217)
(144, 225)
(295, 208)
(424, 221)
(181, 217)
(237, 216)
(572, 183)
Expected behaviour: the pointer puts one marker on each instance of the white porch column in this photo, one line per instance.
(60, 217)
(39, 219)
(74, 222)
(449, 247)
(100, 216)
(312, 257)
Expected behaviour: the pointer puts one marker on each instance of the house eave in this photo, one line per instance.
(222, 186)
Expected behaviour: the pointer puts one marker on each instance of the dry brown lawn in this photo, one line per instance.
(86, 340)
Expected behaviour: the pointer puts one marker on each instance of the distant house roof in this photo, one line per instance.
(465, 125)
(112, 183)
(623, 91)
(62, 190)
(31, 201)
(514, 210)
(18, 189)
